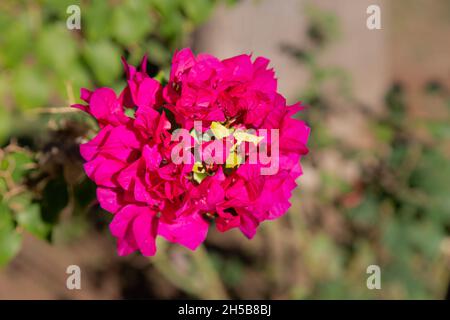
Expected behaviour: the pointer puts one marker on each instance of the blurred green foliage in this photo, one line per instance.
(43, 66)
(17, 211)
(39, 55)
(397, 214)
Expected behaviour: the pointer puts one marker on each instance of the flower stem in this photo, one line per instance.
(201, 280)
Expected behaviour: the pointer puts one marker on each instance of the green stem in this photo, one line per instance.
(203, 280)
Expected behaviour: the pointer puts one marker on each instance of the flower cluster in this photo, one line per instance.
(134, 157)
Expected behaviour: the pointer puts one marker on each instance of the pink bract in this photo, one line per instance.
(149, 194)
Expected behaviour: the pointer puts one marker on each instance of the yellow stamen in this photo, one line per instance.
(242, 136)
(220, 131)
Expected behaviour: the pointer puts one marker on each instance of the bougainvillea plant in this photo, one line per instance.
(215, 144)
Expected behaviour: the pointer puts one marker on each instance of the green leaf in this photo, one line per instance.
(104, 59)
(97, 20)
(10, 240)
(30, 88)
(172, 26)
(197, 10)
(6, 221)
(15, 39)
(9, 246)
(131, 22)
(57, 48)
(3, 187)
(78, 77)
(165, 7)
(30, 219)
(21, 162)
(20, 201)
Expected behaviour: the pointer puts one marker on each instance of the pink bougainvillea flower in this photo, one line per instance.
(231, 103)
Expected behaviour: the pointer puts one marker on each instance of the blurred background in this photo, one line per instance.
(376, 183)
